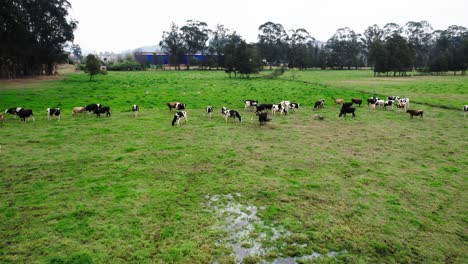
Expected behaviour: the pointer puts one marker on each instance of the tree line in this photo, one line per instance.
(392, 49)
(33, 36)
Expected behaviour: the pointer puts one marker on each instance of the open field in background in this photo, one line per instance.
(377, 188)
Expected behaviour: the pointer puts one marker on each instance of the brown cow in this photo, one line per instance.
(338, 101)
(176, 105)
(415, 113)
(78, 109)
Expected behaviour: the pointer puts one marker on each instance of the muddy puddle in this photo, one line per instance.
(246, 234)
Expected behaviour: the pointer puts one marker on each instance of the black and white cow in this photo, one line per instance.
(465, 109)
(406, 101)
(294, 106)
(250, 104)
(372, 101)
(319, 104)
(101, 110)
(25, 113)
(279, 108)
(209, 111)
(176, 106)
(13, 111)
(53, 112)
(92, 107)
(393, 98)
(181, 115)
(230, 113)
(388, 103)
(135, 110)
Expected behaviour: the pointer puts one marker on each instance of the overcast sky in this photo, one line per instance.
(114, 25)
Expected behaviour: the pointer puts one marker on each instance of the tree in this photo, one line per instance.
(219, 39)
(76, 50)
(346, 50)
(400, 55)
(195, 35)
(247, 61)
(371, 35)
(379, 57)
(420, 38)
(173, 42)
(298, 44)
(33, 36)
(271, 42)
(93, 65)
(230, 59)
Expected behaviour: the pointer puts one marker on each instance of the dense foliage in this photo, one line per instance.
(33, 35)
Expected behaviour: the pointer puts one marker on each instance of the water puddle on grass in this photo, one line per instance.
(246, 234)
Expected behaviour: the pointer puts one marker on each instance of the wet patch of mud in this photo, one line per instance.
(246, 234)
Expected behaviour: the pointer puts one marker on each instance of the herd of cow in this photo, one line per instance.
(261, 110)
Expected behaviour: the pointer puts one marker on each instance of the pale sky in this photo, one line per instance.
(115, 25)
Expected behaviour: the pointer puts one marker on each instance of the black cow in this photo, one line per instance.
(179, 116)
(25, 113)
(357, 101)
(92, 107)
(347, 105)
(263, 118)
(101, 110)
(319, 104)
(135, 109)
(53, 112)
(264, 107)
(347, 110)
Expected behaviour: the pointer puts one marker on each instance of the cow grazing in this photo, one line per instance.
(264, 107)
(357, 101)
(347, 110)
(406, 101)
(250, 104)
(176, 106)
(393, 98)
(263, 118)
(380, 103)
(25, 113)
(319, 104)
(135, 110)
(101, 110)
(372, 101)
(465, 109)
(413, 112)
(92, 107)
(209, 111)
(346, 105)
(388, 103)
(230, 113)
(78, 109)
(13, 111)
(401, 106)
(278, 108)
(53, 112)
(181, 115)
(338, 101)
(294, 106)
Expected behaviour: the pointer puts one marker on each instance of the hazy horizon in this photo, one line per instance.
(116, 27)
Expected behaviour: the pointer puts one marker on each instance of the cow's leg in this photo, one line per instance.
(354, 114)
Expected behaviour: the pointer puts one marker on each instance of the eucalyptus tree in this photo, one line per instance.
(299, 43)
(217, 42)
(371, 35)
(33, 36)
(173, 43)
(420, 37)
(399, 55)
(230, 56)
(390, 29)
(272, 42)
(346, 49)
(195, 35)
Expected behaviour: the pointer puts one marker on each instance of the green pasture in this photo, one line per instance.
(378, 188)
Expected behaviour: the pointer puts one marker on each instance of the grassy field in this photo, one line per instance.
(379, 188)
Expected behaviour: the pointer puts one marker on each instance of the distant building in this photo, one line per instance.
(160, 58)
